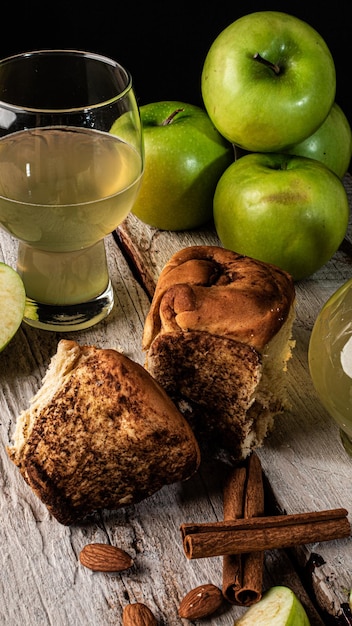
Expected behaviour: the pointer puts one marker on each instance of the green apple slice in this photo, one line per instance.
(12, 299)
(279, 606)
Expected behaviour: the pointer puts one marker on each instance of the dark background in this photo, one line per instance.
(163, 44)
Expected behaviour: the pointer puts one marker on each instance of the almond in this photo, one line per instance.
(103, 557)
(138, 614)
(200, 602)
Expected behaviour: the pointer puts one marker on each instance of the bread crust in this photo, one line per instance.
(109, 436)
(212, 289)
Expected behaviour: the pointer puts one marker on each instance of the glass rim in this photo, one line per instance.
(104, 59)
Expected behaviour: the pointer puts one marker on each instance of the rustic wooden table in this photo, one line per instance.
(42, 582)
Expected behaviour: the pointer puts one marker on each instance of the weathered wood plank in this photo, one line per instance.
(41, 580)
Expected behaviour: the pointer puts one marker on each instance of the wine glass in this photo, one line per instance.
(71, 163)
(330, 359)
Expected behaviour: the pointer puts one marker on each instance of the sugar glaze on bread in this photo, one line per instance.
(100, 433)
(217, 338)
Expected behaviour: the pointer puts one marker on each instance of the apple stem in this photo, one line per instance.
(171, 117)
(273, 66)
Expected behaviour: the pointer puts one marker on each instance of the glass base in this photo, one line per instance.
(69, 317)
(346, 442)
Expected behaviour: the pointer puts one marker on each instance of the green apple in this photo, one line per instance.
(282, 209)
(268, 81)
(13, 298)
(279, 606)
(331, 143)
(184, 159)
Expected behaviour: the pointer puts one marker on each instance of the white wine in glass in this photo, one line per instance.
(71, 162)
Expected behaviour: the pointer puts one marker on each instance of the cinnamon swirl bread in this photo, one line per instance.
(217, 338)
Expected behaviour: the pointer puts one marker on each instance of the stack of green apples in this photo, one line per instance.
(265, 156)
(269, 87)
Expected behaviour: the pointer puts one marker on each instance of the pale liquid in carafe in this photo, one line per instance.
(330, 359)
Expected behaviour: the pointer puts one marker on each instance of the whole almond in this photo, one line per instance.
(200, 602)
(103, 557)
(138, 614)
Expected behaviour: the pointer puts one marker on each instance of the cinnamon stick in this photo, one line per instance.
(263, 533)
(242, 574)
(232, 569)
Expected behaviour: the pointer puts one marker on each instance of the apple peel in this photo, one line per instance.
(13, 299)
(279, 606)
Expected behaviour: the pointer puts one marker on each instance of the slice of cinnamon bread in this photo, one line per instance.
(100, 433)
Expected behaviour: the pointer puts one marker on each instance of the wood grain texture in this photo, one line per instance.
(42, 582)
